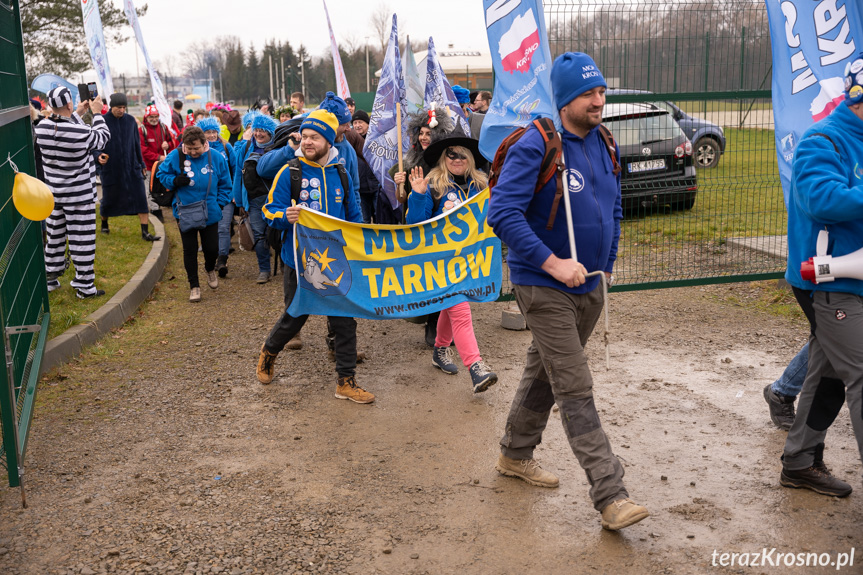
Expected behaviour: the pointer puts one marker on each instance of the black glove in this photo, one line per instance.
(182, 180)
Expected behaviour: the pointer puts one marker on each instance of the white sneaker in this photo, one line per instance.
(195, 295)
(212, 279)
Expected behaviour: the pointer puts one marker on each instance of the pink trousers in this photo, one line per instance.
(456, 323)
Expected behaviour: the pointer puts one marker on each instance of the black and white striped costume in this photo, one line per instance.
(67, 145)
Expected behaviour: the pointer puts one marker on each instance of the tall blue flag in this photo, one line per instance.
(46, 82)
(439, 91)
(812, 43)
(522, 70)
(381, 147)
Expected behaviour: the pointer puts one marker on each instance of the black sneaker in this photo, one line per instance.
(481, 376)
(442, 359)
(781, 408)
(148, 237)
(82, 295)
(53, 284)
(106, 230)
(816, 478)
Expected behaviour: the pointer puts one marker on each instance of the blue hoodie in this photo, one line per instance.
(321, 191)
(519, 217)
(227, 152)
(827, 193)
(242, 151)
(220, 189)
(272, 162)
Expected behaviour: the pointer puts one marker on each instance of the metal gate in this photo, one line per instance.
(23, 292)
(708, 64)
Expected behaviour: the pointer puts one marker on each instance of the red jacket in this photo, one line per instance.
(151, 142)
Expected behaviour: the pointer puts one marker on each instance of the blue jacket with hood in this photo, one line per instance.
(321, 191)
(220, 189)
(519, 216)
(827, 194)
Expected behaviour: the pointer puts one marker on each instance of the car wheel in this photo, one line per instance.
(707, 153)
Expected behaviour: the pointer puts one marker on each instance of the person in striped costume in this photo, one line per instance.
(67, 144)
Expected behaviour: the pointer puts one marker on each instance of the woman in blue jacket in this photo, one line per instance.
(451, 182)
(203, 175)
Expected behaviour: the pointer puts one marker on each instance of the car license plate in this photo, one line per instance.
(647, 166)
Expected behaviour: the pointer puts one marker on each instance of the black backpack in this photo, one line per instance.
(275, 237)
(160, 194)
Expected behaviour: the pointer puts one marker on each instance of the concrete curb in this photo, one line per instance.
(116, 310)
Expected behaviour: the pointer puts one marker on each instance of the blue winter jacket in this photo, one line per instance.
(827, 193)
(242, 151)
(321, 190)
(421, 207)
(519, 216)
(228, 152)
(220, 188)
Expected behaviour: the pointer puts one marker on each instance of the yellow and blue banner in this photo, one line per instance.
(390, 272)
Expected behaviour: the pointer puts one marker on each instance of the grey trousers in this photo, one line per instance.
(557, 372)
(835, 374)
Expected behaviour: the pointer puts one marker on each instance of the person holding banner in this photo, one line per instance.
(453, 180)
(560, 305)
(322, 189)
(825, 213)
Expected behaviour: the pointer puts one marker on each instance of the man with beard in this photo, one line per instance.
(325, 188)
(552, 291)
(123, 191)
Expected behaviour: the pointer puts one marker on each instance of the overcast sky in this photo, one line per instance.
(171, 25)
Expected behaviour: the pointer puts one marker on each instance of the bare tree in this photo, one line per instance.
(381, 22)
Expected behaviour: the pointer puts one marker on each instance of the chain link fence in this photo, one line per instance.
(711, 213)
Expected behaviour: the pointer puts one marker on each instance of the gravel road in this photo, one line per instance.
(159, 452)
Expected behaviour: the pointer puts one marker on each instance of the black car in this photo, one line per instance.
(655, 155)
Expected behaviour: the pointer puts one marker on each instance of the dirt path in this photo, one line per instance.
(159, 452)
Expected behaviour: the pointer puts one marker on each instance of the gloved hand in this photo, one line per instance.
(182, 180)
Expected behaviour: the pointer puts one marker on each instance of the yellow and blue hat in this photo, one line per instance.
(323, 122)
(854, 80)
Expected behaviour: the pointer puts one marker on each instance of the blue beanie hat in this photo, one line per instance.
(854, 80)
(323, 122)
(208, 124)
(337, 107)
(462, 95)
(572, 74)
(249, 117)
(265, 122)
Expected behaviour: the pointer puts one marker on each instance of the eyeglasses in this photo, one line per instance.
(455, 155)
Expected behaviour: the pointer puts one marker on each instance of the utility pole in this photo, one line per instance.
(368, 81)
(282, 99)
(221, 90)
(271, 76)
(210, 81)
(302, 73)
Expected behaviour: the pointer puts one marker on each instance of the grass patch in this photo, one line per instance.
(697, 108)
(741, 197)
(766, 296)
(118, 256)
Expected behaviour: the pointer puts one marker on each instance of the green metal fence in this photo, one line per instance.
(24, 314)
(710, 60)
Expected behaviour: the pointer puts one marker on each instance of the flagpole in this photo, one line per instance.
(400, 196)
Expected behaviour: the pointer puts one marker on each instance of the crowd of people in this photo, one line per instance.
(274, 161)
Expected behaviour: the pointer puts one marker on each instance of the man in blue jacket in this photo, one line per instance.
(321, 190)
(827, 195)
(557, 301)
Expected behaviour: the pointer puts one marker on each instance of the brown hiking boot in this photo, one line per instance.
(526, 470)
(295, 343)
(266, 366)
(817, 478)
(622, 513)
(348, 389)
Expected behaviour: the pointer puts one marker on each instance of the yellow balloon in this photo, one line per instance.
(32, 198)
